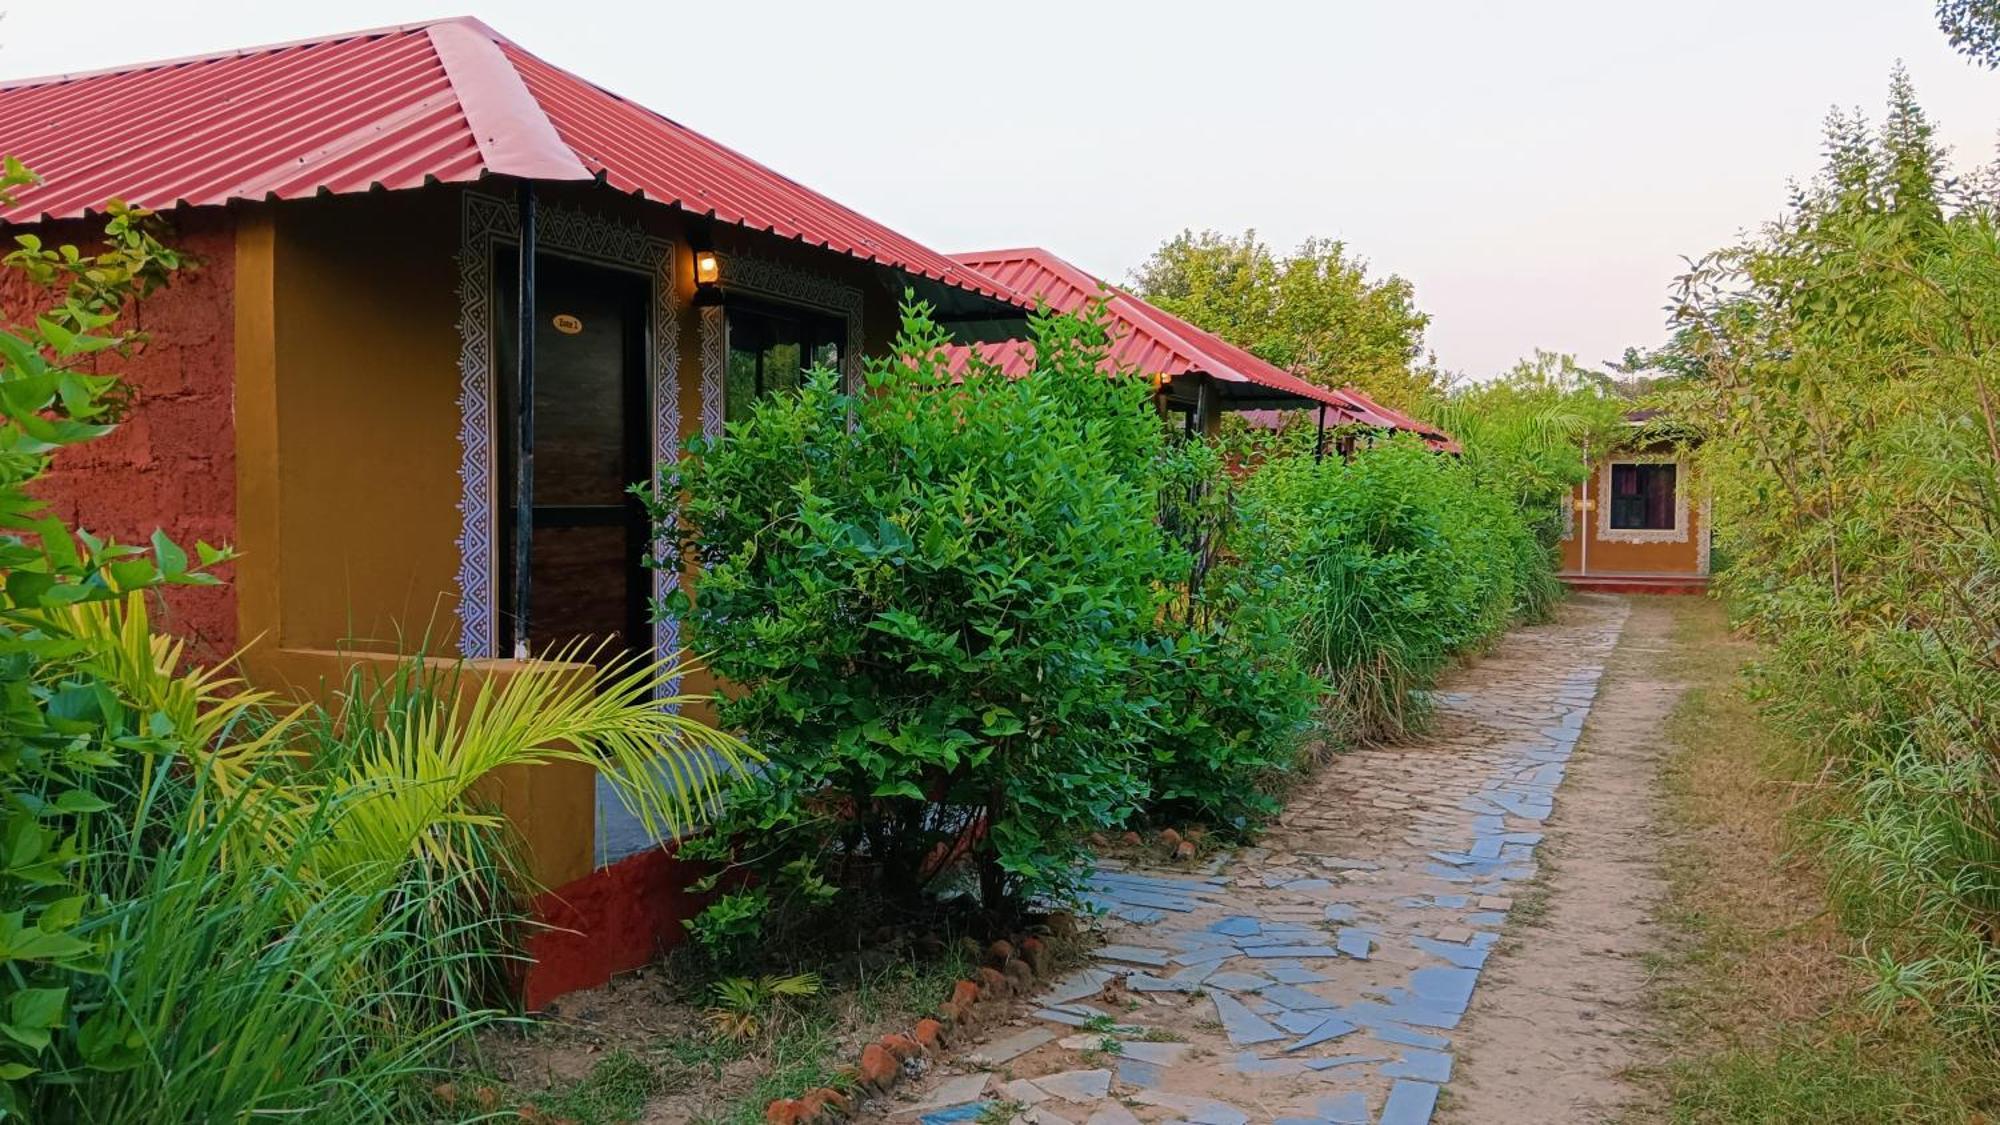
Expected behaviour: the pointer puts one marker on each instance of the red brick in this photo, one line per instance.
(879, 1068)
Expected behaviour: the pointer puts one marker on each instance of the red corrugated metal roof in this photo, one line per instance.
(1144, 338)
(1397, 420)
(447, 101)
(1156, 342)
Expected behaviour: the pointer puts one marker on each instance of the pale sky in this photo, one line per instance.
(1535, 168)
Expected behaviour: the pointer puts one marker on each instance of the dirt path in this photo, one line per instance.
(1561, 1012)
(1340, 971)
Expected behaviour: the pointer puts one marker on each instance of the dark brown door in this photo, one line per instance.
(586, 579)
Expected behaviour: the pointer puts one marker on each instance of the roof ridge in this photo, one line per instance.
(513, 131)
(701, 137)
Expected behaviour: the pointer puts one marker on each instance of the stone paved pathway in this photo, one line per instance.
(1322, 976)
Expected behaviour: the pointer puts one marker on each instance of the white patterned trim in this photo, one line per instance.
(1675, 534)
(1705, 542)
(774, 281)
(714, 362)
(1569, 515)
(487, 221)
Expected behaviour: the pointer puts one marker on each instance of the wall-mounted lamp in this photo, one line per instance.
(707, 279)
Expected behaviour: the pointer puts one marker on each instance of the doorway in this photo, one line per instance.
(587, 578)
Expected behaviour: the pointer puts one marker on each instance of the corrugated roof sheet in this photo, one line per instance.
(447, 101)
(1144, 338)
(1157, 342)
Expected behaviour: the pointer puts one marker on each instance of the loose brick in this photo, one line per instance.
(879, 1068)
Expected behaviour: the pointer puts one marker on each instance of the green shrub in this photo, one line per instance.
(933, 599)
(1234, 697)
(1526, 437)
(1397, 561)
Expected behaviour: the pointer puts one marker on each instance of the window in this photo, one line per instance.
(771, 347)
(1642, 497)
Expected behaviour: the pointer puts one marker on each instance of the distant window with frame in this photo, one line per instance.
(771, 347)
(1642, 496)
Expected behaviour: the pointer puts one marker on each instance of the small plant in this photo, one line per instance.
(743, 1005)
(1000, 1112)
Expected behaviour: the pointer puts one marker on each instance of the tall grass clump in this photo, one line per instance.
(227, 990)
(1397, 560)
(1843, 374)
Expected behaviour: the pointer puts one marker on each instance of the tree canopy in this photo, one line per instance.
(1973, 26)
(1315, 312)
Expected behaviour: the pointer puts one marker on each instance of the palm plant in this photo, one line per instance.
(404, 758)
(414, 762)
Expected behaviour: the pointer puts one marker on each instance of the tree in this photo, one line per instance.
(1973, 27)
(1851, 438)
(1315, 312)
(1527, 434)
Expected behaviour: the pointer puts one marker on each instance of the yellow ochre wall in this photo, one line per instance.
(347, 348)
(1610, 557)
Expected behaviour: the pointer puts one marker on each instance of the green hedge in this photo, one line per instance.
(935, 599)
(968, 615)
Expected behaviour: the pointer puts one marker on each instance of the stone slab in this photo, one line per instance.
(1429, 1066)
(1410, 1103)
(1079, 1086)
(1012, 1047)
(1132, 955)
(1243, 1026)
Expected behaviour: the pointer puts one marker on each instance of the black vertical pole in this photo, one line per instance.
(524, 420)
(1319, 443)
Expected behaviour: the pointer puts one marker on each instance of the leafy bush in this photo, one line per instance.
(1528, 436)
(933, 598)
(1234, 696)
(1397, 560)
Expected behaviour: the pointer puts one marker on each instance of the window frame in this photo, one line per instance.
(1644, 472)
(1604, 494)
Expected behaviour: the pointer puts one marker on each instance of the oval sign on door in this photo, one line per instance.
(567, 324)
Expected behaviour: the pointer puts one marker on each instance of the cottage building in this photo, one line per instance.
(342, 389)
(1639, 523)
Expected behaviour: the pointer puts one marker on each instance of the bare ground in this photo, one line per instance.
(1562, 1013)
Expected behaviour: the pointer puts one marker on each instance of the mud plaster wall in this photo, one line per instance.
(1612, 557)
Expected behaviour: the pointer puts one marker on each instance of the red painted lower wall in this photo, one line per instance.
(171, 464)
(611, 921)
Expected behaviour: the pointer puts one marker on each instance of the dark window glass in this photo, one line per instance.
(1642, 497)
(771, 347)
